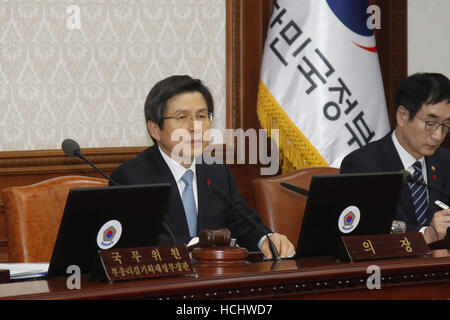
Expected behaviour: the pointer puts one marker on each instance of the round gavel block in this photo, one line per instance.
(220, 256)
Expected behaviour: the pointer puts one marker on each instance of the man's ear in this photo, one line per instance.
(153, 130)
(402, 115)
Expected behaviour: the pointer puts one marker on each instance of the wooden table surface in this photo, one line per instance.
(315, 278)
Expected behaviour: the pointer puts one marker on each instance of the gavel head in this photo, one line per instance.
(220, 237)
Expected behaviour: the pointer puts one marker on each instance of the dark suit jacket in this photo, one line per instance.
(382, 156)
(213, 212)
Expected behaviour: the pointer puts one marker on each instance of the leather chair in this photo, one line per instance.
(33, 215)
(281, 209)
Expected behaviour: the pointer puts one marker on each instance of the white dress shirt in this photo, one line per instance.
(178, 171)
(407, 159)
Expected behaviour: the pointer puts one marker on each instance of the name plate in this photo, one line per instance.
(145, 262)
(384, 246)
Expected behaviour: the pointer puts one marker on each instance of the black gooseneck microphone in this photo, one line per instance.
(273, 249)
(406, 179)
(410, 178)
(72, 149)
(295, 188)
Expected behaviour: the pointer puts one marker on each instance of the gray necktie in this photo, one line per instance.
(189, 203)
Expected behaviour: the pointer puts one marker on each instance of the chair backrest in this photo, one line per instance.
(33, 214)
(281, 209)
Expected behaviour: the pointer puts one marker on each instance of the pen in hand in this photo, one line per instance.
(441, 205)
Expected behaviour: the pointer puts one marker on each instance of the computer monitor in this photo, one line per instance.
(104, 218)
(345, 205)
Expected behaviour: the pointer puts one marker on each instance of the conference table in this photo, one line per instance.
(306, 278)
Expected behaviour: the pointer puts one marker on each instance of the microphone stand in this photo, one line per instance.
(81, 156)
(272, 247)
(77, 153)
(410, 178)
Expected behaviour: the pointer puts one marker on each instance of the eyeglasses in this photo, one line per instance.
(434, 125)
(184, 117)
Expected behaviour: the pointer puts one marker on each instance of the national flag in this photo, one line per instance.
(320, 82)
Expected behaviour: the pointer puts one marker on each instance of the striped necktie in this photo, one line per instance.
(189, 203)
(419, 195)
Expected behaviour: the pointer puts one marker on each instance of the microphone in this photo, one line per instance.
(411, 179)
(273, 249)
(295, 188)
(406, 179)
(72, 149)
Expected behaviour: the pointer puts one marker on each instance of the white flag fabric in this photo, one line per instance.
(320, 82)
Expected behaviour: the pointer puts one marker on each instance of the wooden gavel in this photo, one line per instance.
(209, 238)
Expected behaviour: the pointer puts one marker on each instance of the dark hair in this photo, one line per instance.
(419, 89)
(156, 102)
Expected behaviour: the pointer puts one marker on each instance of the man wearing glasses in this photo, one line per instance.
(178, 112)
(422, 109)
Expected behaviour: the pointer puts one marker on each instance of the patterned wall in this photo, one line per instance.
(82, 69)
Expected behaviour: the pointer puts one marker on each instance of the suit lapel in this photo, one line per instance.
(394, 163)
(175, 216)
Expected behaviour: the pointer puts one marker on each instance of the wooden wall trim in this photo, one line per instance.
(392, 48)
(55, 161)
(247, 22)
(233, 63)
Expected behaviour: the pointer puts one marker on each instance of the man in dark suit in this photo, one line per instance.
(178, 112)
(422, 109)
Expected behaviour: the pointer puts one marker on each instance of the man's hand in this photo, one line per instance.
(438, 226)
(283, 245)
